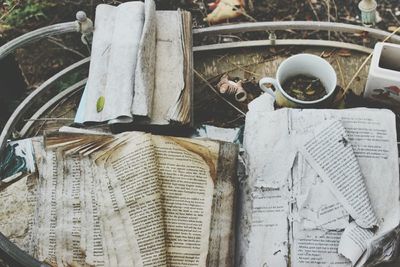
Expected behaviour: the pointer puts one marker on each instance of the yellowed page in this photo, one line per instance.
(186, 170)
(131, 172)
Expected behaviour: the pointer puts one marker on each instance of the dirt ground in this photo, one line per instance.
(43, 59)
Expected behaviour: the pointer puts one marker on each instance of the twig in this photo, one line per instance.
(328, 9)
(239, 10)
(311, 83)
(204, 12)
(313, 9)
(216, 92)
(340, 71)
(235, 119)
(56, 42)
(241, 68)
(336, 11)
(393, 15)
(50, 119)
(53, 109)
(9, 11)
(365, 63)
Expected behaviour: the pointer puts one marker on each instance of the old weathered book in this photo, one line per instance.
(133, 199)
(141, 67)
(322, 190)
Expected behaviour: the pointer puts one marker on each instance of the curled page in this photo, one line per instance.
(122, 64)
(353, 242)
(145, 68)
(169, 67)
(330, 153)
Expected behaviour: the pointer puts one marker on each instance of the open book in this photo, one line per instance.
(141, 66)
(134, 199)
(323, 187)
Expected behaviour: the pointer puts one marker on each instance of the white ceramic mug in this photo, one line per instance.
(301, 64)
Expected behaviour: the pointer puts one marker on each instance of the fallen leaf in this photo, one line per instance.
(226, 9)
(392, 28)
(100, 103)
(344, 53)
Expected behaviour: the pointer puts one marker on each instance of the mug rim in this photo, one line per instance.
(298, 101)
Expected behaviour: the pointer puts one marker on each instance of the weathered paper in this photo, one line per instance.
(353, 242)
(132, 173)
(315, 212)
(264, 216)
(131, 200)
(146, 60)
(169, 68)
(186, 170)
(121, 74)
(330, 153)
(18, 203)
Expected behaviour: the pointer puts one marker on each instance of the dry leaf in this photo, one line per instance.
(225, 9)
(344, 53)
(100, 103)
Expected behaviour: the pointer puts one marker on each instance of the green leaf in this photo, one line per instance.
(100, 103)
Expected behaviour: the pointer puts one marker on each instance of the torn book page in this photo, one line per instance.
(372, 134)
(18, 204)
(316, 248)
(145, 67)
(269, 159)
(353, 242)
(330, 153)
(316, 207)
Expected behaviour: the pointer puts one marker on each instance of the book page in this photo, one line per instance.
(187, 171)
(330, 153)
(169, 74)
(18, 204)
(264, 238)
(91, 237)
(318, 220)
(132, 175)
(145, 68)
(118, 46)
(353, 242)
(46, 219)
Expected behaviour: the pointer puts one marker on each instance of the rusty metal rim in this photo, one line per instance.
(294, 25)
(282, 42)
(36, 35)
(65, 93)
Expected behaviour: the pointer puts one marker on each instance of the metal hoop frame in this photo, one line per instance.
(9, 250)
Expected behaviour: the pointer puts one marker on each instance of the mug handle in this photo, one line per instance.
(268, 90)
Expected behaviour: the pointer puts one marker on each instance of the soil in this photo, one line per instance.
(41, 60)
(304, 88)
